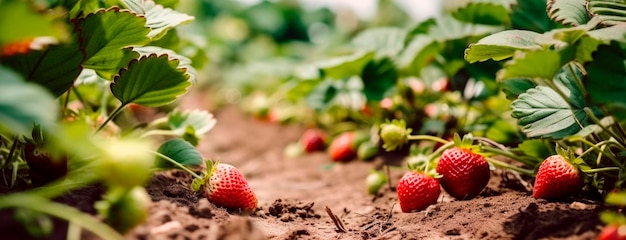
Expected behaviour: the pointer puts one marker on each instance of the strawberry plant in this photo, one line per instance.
(69, 73)
(564, 84)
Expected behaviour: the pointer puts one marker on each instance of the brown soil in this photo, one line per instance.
(293, 195)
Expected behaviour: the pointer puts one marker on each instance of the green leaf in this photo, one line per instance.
(606, 122)
(24, 104)
(502, 45)
(532, 15)
(418, 54)
(539, 64)
(183, 62)
(449, 28)
(54, 68)
(105, 35)
(610, 12)
(568, 12)
(515, 86)
(608, 34)
(488, 13)
(422, 27)
(542, 112)
(180, 151)
(19, 21)
(378, 77)
(606, 80)
(323, 94)
(159, 19)
(586, 47)
(386, 42)
(345, 66)
(151, 81)
(536, 148)
(200, 122)
(85, 7)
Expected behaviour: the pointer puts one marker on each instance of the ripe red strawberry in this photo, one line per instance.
(613, 232)
(340, 148)
(464, 173)
(556, 178)
(344, 146)
(226, 186)
(417, 191)
(313, 140)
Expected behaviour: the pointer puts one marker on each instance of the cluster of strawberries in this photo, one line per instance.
(463, 174)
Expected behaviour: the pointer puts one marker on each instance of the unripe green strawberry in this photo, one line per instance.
(556, 178)
(464, 173)
(225, 186)
(367, 150)
(374, 181)
(416, 191)
(126, 162)
(130, 210)
(394, 134)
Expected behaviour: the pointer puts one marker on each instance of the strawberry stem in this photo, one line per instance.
(597, 122)
(597, 148)
(504, 165)
(427, 137)
(596, 170)
(439, 151)
(195, 175)
(110, 117)
(527, 161)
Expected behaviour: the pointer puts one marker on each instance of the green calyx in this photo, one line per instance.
(198, 183)
(394, 134)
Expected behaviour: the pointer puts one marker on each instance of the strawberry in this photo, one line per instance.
(556, 178)
(417, 191)
(613, 232)
(226, 186)
(464, 172)
(344, 147)
(313, 140)
(44, 167)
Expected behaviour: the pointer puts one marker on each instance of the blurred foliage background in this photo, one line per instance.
(254, 45)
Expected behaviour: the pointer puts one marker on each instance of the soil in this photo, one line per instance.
(297, 196)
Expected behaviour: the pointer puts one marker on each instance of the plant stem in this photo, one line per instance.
(427, 137)
(595, 170)
(73, 215)
(177, 164)
(80, 98)
(440, 150)
(110, 117)
(157, 123)
(508, 154)
(504, 165)
(597, 122)
(11, 152)
(590, 144)
(159, 132)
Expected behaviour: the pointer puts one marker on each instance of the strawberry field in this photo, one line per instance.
(142, 119)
